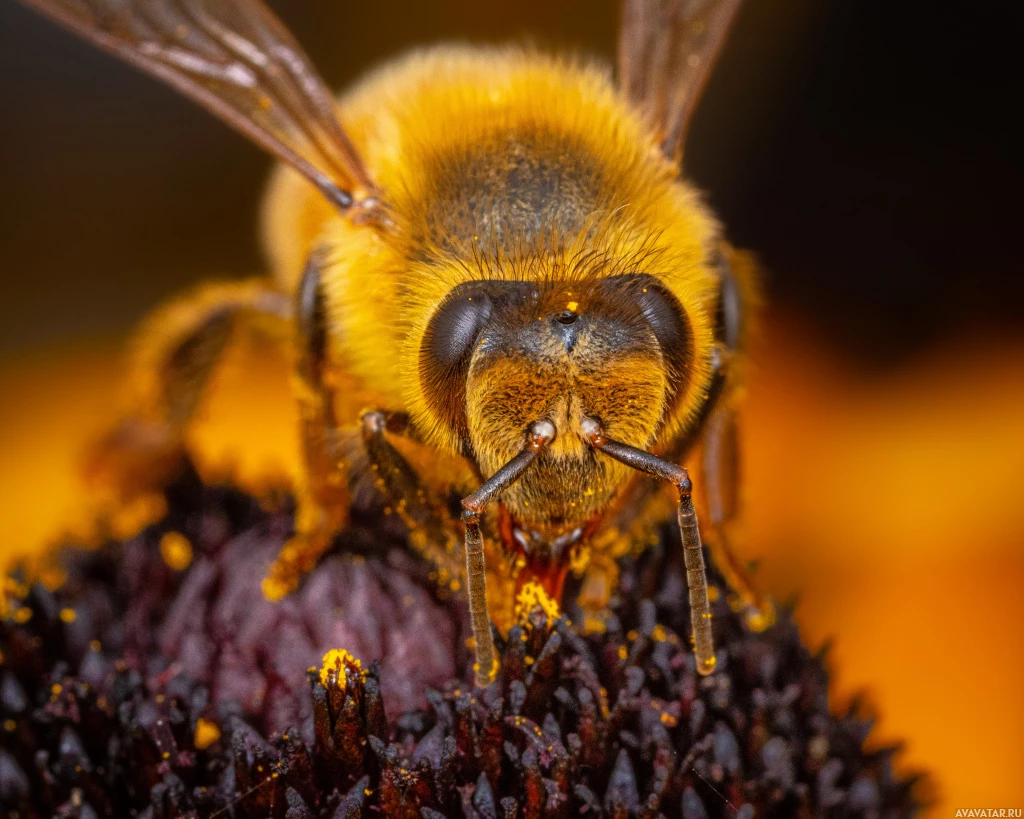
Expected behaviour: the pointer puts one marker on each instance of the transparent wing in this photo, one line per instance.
(240, 62)
(666, 51)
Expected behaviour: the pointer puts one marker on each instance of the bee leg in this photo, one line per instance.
(485, 668)
(693, 557)
(720, 467)
(176, 352)
(719, 461)
(430, 525)
(323, 495)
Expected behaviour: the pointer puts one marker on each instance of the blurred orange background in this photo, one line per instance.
(884, 432)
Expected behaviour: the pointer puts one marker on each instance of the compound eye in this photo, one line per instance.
(445, 355)
(665, 317)
(454, 329)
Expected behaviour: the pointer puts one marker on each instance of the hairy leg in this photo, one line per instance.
(720, 476)
(719, 450)
(431, 528)
(323, 494)
(177, 349)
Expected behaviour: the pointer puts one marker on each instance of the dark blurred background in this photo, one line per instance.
(865, 149)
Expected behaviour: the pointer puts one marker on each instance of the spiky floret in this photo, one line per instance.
(181, 692)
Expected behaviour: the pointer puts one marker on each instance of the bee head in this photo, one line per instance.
(499, 355)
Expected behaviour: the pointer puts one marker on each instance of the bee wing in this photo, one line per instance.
(666, 51)
(239, 61)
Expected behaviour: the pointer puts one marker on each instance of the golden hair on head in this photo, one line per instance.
(498, 290)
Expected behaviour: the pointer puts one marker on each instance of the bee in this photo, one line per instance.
(504, 303)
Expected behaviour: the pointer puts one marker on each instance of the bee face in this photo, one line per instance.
(500, 355)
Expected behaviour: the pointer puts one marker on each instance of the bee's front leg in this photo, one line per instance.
(431, 527)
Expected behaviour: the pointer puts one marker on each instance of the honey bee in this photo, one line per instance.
(501, 298)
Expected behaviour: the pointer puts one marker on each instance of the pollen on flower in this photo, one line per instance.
(176, 551)
(336, 665)
(206, 734)
(273, 589)
(52, 577)
(133, 517)
(238, 752)
(593, 625)
(68, 615)
(533, 596)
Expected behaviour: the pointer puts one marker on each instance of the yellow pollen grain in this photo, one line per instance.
(137, 515)
(53, 577)
(534, 596)
(623, 653)
(206, 734)
(658, 633)
(176, 551)
(333, 667)
(571, 306)
(23, 615)
(68, 615)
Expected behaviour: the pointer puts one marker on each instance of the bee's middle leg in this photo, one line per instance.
(719, 465)
(323, 493)
(719, 455)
